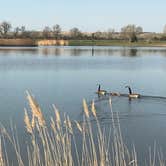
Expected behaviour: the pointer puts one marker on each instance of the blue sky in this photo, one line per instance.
(88, 15)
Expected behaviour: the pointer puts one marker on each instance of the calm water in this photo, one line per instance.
(65, 75)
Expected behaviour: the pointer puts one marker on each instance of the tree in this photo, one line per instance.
(98, 35)
(22, 29)
(57, 31)
(139, 29)
(16, 31)
(75, 33)
(33, 34)
(47, 32)
(23, 32)
(20, 32)
(110, 33)
(130, 32)
(164, 31)
(133, 37)
(5, 28)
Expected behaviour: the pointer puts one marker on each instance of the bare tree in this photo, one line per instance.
(164, 30)
(23, 29)
(20, 32)
(130, 32)
(5, 28)
(110, 33)
(33, 34)
(98, 35)
(16, 31)
(57, 31)
(47, 32)
(23, 32)
(139, 29)
(75, 33)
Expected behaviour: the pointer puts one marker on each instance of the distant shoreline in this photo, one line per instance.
(121, 43)
(52, 42)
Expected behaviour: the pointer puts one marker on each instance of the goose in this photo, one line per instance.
(100, 91)
(132, 95)
(114, 94)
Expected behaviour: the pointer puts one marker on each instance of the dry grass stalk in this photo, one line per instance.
(27, 122)
(1, 153)
(110, 102)
(57, 116)
(93, 109)
(78, 126)
(53, 125)
(33, 122)
(55, 147)
(85, 107)
(36, 111)
(69, 125)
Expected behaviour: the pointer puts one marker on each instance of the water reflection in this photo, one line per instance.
(93, 51)
(52, 73)
(63, 57)
(124, 109)
(133, 52)
(17, 50)
(81, 51)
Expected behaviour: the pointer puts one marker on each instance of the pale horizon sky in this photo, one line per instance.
(87, 15)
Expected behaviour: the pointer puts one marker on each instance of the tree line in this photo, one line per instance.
(129, 32)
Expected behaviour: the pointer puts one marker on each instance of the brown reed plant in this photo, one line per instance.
(36, 111)
(27, 122)
(1, 153)
(64, 142)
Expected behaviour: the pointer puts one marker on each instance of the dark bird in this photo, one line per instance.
(100, 91)
(131, 94)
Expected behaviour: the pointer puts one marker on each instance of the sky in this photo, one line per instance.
(87, 15)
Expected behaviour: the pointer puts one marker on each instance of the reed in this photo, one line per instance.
(55, 142)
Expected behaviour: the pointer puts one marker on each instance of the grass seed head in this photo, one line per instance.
(85, 107)
(93, 109)
(27, 122)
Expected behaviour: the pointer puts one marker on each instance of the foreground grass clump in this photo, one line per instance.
(55, 143)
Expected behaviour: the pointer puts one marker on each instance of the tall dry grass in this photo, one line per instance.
(56, 143)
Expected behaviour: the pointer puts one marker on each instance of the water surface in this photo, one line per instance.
(65, 75)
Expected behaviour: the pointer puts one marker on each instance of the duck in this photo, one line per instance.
(132, 95)
(100, 91)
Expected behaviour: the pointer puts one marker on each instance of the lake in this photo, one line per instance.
(65, 75)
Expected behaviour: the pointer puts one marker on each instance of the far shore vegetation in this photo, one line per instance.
(129, 35)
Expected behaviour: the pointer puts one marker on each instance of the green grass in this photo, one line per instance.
(116, 43)
(29, 42)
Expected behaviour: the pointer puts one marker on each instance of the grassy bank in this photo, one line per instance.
(116, 43)
(55, 143)
(33, 42)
